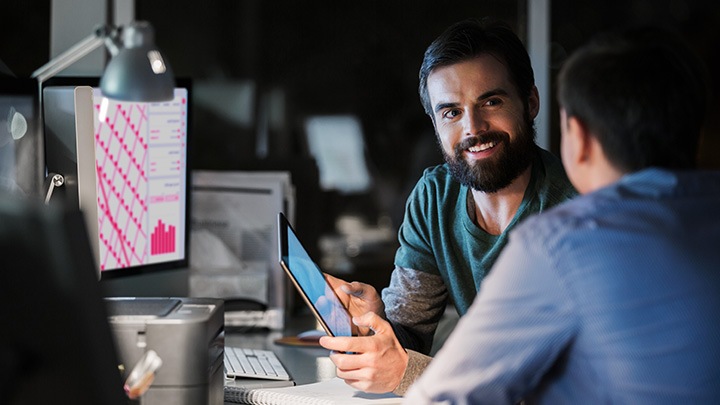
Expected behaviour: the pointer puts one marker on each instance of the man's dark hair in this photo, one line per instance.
(471, 38)
(640, 92)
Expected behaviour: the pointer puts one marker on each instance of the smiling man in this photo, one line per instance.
(477, 86)
(611, 298)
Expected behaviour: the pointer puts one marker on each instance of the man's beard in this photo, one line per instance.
(496, 172)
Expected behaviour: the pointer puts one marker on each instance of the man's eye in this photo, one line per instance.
(493, 102)
(451, 113)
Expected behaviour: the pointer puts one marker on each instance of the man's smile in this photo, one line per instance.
(481, 150)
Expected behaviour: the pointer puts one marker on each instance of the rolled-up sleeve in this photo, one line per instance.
(414, 303)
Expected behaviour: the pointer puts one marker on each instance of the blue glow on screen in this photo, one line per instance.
(311, 280)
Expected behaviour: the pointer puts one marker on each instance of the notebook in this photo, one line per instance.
(330, 392)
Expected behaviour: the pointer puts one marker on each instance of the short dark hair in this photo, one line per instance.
(471, 38)
(640, 91)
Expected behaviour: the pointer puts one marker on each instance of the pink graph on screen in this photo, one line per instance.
(162, 239)
(140, 164)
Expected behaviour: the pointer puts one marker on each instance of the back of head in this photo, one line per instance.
(640, 92)
(471, 38)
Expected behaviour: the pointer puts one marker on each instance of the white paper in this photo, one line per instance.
(233, 246)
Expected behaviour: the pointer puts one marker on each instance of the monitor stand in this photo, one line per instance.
(169, 283)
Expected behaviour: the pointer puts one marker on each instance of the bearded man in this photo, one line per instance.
(477, 86)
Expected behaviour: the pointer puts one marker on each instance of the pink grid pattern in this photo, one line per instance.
(121, 159)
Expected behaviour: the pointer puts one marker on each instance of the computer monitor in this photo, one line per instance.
(138, 153)
(56, 344)
(18, 123)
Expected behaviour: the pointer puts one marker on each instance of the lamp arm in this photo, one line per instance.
(112, 40)
(73, 54)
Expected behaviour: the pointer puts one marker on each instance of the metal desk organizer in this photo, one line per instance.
(186, 333)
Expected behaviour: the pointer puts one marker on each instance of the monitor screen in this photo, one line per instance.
(140, 172)
(141, 168)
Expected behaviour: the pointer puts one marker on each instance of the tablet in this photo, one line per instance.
(310, 282)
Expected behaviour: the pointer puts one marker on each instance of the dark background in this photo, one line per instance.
(361, 58)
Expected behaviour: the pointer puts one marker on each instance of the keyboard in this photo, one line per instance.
(253, 363)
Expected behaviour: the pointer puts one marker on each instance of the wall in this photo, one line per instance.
(574, 22)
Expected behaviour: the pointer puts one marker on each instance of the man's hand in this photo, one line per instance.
(359, 299)
(379, 361)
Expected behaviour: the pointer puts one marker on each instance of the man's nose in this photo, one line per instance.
(475, 123)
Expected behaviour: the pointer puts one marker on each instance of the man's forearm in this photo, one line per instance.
(414, 303)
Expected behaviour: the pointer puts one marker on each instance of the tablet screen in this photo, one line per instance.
(309, 280)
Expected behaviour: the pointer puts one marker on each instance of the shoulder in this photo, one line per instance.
(439, 174)
(437, 181)
(561, 222)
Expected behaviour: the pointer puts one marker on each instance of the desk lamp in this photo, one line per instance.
(135, 72)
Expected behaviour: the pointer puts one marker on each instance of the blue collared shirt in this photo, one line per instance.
(613, 297)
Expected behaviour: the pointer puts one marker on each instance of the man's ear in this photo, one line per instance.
(584, 159)
(579, 141)
(533, 103)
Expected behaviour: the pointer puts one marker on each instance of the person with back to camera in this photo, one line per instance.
(611, 297)
(477, 86)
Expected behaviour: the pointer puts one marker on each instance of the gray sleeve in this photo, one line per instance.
(416, 365)
(414, 303)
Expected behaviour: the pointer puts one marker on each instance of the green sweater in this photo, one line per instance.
(444, 254)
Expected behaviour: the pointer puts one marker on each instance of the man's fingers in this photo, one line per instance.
(372, 321)
(356, 289)
(334, 281)
(368, 363)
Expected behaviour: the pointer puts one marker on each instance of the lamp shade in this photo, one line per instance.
(137, 70)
